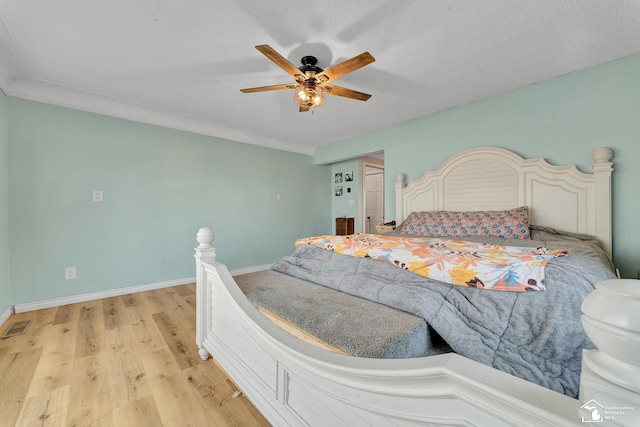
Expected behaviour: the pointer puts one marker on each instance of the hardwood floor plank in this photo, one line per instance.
(179, 308)
(139, 413)
(153, 301)
(46, 410)
(176, 302)
(64, 314)
(90, 338)
(90, 396)
(184, 352)
(217, 391)
(131, 300)
(185, 290)
(17, 372)
(126, 361)
(128, 378)
(146, 334)
(54, 369)
(113, 311)
(175, 398)
(188, 297)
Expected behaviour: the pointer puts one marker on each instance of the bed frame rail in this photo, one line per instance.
(294, 383)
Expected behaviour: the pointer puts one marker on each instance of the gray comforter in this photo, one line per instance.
(536, 336)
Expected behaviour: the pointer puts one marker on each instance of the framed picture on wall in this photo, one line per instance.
(348, 176)
(338, 178)
(338, 190)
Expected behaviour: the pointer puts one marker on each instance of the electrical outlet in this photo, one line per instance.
(70, 273)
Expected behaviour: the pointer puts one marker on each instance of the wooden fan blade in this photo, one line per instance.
(337, 71)
(266, 88)
(281, 62)
(347, 93)
(304, 108)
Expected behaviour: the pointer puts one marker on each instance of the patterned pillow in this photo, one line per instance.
(510, 224)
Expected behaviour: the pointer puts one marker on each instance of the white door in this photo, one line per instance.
(374, 198)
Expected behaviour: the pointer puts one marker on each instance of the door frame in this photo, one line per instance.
(374, 163)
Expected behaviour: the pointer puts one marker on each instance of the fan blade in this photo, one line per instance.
(347, 93)
(281, 62)
(266, 88)
(337, 71)
(304, 108)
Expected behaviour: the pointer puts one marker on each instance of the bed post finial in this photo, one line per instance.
(205, 252)
(205, 238)
(611, 374)
(602, 155)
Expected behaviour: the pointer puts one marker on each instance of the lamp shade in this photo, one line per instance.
(309, 95)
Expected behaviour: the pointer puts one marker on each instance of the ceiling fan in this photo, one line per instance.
(312, 82)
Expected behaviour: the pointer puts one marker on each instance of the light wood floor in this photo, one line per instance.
(122, 361)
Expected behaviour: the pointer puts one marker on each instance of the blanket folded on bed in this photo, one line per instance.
(536, 336)
(479, 265)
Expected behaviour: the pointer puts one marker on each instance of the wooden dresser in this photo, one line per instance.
(344, 226)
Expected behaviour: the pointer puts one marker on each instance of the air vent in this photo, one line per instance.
(17, 328)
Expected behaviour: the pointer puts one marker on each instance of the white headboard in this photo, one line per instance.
(491, 178)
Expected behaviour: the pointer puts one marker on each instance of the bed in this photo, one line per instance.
(440, 368)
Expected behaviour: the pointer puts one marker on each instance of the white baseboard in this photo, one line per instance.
(5, 316)
(57, 302)
(247, 270)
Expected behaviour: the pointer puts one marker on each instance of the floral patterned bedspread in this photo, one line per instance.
(505, 268)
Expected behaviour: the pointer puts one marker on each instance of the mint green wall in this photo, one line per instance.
(159, 187)
(562, 120)
(5, 290)
(340, 205)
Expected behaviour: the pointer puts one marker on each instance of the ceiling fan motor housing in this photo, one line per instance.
(309, 65)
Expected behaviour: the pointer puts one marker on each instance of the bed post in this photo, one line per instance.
(610, 378)
(205, 252)
(602, 167)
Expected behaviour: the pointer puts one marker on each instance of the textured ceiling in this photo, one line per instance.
(181, 64)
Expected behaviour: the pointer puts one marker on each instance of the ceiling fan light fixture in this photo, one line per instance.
(309, 95)
(312, 82)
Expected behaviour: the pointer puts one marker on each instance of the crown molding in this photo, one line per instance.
(69, 97)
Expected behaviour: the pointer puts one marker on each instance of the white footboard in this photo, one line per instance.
(294, 383)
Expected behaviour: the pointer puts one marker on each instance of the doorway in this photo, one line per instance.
(373, 196)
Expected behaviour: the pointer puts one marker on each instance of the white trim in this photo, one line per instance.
(363, 192)
(72, 299)
(247, 270)
(5, 316)
(70, 97)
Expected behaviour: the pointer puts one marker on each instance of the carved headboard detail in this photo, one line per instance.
(491, 178)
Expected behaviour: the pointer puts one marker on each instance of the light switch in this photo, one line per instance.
(97, 196)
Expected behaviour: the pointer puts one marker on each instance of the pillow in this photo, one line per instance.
(510, 224)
